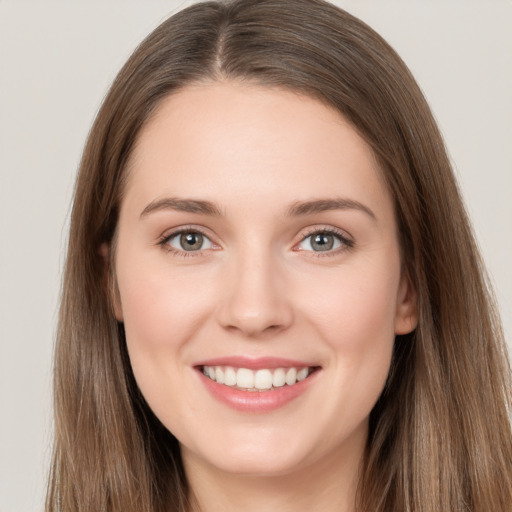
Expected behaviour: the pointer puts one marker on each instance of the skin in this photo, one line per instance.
(257, 288)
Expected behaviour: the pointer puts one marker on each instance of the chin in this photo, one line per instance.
(264, 451)
(261, 464)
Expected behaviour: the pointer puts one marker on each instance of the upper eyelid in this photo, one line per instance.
(167, 236)
(346, 240)
(302, 235)
(325, 229)
(170, 233)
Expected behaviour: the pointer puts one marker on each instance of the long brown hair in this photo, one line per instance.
(440, 435)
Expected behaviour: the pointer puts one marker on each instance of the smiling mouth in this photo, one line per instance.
(263, 379)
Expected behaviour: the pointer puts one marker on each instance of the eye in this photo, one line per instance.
(189, 241)
(324, 241)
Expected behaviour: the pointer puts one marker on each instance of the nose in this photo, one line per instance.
(254, 300)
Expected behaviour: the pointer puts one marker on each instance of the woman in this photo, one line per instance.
(272, 295)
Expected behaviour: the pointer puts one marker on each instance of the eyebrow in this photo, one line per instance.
(298, 208)
(323, 205)
(182, 205)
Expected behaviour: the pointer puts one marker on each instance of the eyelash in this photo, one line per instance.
(346, 243)
(164, 242)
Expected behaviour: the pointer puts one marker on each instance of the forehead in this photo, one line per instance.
(243, 141)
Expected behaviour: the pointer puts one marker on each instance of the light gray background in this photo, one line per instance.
(56, 62)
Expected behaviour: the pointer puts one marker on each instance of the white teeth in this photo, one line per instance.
(302, 374)
(219, 375)
(291, 376)
(279, 378)
(244, 378)
(263, 379)
(229, 376)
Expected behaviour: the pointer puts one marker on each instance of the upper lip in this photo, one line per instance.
(254, 363)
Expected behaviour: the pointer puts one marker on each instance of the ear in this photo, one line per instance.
(110, 281)
(406, 318)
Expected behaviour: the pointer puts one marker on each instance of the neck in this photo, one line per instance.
(328, 484)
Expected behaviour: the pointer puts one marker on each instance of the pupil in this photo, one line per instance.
(322, 242)
(191, 241)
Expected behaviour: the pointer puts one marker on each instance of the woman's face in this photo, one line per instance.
(257, 244)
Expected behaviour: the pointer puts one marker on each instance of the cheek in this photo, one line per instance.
(358, 308)
(162, 309)
(159, 297)
(162, 312)
(355, 317)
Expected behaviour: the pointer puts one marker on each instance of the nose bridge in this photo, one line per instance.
(254, 301)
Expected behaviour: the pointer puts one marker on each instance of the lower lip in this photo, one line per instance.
(257, 401)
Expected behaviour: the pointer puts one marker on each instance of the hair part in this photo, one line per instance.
(440, 436)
